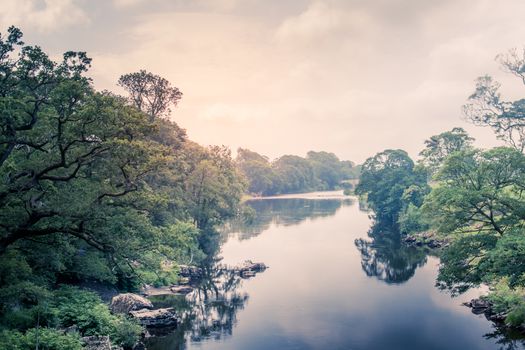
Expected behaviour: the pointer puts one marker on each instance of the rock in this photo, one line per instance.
(480, 306)
(126, 302)
(256, 266)
(497, 317)
(191, 272)
(181, 289)
(96, 342)
(158, 318)
(247, 273)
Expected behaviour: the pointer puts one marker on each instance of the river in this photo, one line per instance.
(332, 283)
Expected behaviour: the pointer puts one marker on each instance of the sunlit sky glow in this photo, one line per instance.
(352, 77)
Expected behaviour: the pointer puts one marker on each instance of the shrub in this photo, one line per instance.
(48, 338)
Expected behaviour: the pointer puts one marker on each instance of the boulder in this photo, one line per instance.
(158, 318)
(96, 342)
(126, 302)
(479, 306)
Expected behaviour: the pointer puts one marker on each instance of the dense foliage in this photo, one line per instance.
(292, 174)
(391, 184)
(95, 187)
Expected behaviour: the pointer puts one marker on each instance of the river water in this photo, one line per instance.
(332, 283)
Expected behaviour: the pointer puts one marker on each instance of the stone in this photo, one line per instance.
(156, 318)
(96, 342)
(480, 306)
(126, 302)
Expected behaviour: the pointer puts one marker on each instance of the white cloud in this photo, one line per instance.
(44, 16)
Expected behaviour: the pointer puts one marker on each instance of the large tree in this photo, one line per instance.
(391, 182)
(150, 93)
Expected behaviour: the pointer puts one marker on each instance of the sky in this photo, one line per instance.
(353, 77)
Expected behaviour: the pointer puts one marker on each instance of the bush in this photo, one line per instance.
(48, 339)
(411, 220)
(508, 300)
(86, 311)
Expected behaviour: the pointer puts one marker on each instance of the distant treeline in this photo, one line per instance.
(292, 174)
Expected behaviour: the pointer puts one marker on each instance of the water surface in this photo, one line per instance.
(333, 283)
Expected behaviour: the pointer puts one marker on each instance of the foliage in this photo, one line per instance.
(96, 187)
(292, 174)
(481, 189)
(439, 147)
(46, 338)
(391, 182)
(508, 300)
(150, 93)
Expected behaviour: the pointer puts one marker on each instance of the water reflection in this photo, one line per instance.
(282, 212)
(209, 312)
(386, 257)
(507, 339)
(315, 294)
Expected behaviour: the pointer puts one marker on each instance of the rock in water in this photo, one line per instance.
(126, 302)
(96, 342)
(158, 318)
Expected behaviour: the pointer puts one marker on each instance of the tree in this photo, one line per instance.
(385, 178)
(150, 93)
(487, 108)
(479, 191)
(258, 171)
(327, 168)
(439, 147)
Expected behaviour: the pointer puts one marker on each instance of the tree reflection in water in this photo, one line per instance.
(386, 257)
(282, 212)
(209, 312)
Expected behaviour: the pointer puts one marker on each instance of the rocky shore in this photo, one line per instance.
(158, 321)
(427, 239)
(483, 306)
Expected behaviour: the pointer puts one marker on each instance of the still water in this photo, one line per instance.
(332, 283)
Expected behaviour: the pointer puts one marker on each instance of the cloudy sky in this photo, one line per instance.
(352, 77)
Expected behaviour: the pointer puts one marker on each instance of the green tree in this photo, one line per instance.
(385, 180)
(439, 147)
(480, 189)
(150, 93)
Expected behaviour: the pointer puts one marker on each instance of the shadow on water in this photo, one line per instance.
(386, 257)
(282, 212)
